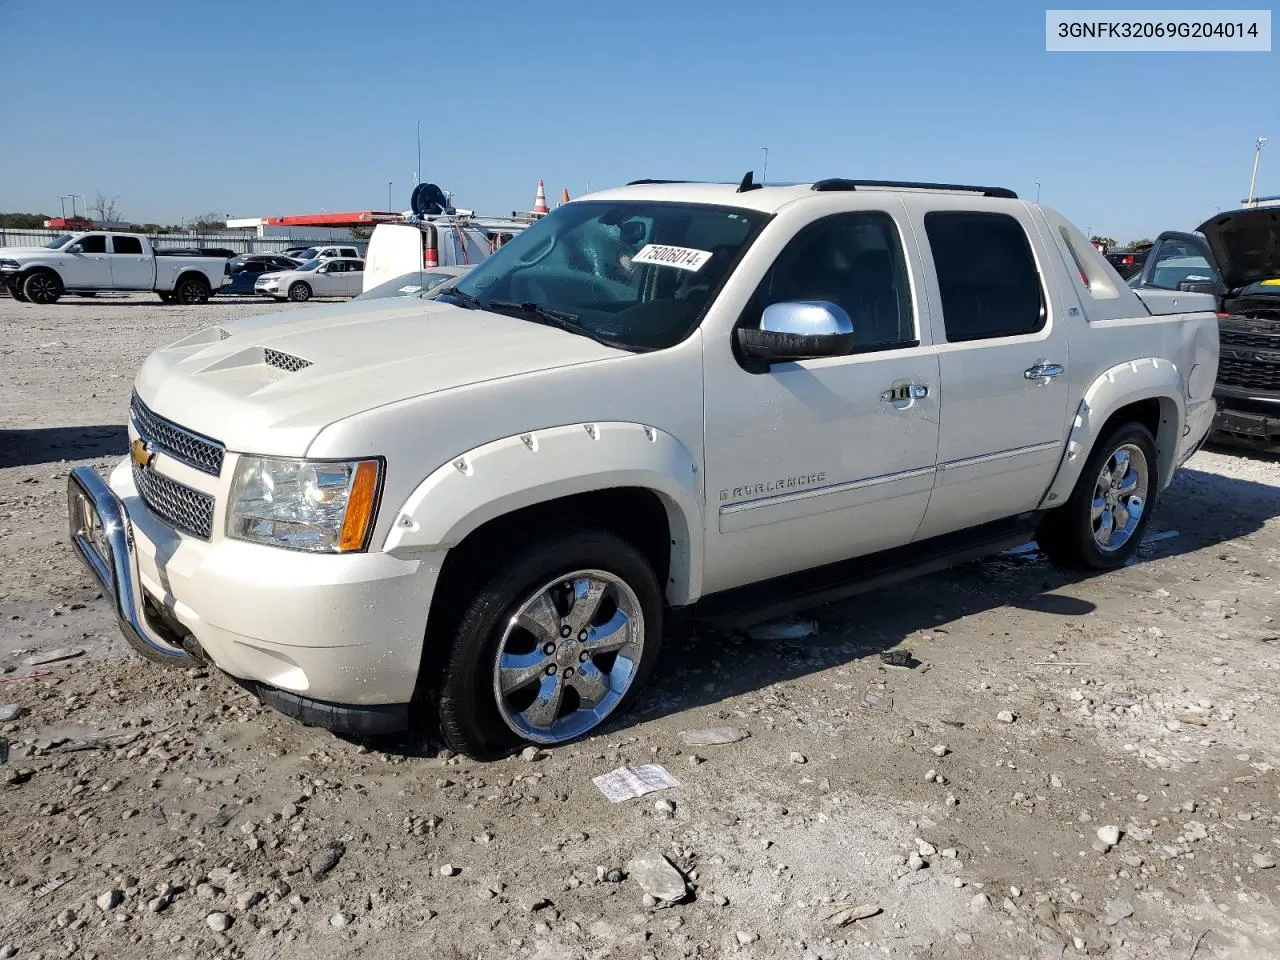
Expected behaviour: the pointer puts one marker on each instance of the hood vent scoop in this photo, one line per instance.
(284, 361)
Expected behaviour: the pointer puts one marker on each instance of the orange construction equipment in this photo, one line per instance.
(540, 200)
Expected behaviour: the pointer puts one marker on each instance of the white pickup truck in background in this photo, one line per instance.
(89, 262)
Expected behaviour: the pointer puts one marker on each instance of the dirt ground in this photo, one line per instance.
(961, 799)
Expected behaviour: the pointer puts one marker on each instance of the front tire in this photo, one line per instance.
(1101, 525)
(15, 291)
(300, 292)
(558, 639)
(43, 287)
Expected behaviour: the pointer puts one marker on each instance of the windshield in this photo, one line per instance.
(635, 273)
(308, 253)
(60, 240)
(419, 283)
(309, 265)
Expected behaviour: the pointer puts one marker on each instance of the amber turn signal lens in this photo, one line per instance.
(359, 516)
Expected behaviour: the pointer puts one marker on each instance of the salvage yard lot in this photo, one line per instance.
(965, 797)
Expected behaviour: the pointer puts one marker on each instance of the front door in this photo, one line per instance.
(131, 269)
(1004, 368)
(821, 460)
(327, 279)
(87, 267)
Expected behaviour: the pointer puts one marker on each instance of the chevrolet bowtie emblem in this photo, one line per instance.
(141, 453)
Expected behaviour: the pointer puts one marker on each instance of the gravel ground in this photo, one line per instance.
(1066, 767)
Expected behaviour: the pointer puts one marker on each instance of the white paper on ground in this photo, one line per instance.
(627, 783)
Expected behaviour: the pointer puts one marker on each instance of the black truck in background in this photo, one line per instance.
(1237, 258)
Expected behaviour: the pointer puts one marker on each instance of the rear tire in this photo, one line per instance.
(192, 291)
(479, 720)
(300, 292)
(1096, 529)
(42, 286)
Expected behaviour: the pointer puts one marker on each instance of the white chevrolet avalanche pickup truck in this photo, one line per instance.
(662, 403)
(89, 262)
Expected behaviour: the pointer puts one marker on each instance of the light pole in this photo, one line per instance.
(388, 196)
(84, 200)
(764, 174)
(1037, 191)
(1257, 152)
(418, 176)
(62, 198)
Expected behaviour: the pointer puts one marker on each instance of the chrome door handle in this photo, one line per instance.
(1043, 371)
(904, 391)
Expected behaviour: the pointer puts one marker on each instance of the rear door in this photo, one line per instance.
(354, 276)
(131, 268)
(1002, 364)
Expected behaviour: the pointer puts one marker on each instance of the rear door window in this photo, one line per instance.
(126, 245)
(987, 275)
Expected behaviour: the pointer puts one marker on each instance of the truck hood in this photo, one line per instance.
(1245, 244)
(270, 384)
(14, 252)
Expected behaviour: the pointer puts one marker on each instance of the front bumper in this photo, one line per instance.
(1250, 417)
(333, 640)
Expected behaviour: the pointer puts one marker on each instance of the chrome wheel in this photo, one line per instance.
(1119, 497)
(568, 656)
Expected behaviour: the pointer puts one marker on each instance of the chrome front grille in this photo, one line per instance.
(284, 361)
(176, 504)
(164, 436)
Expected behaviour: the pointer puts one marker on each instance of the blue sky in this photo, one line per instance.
(182, 108)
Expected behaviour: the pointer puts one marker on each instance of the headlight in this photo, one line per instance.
(7, 264)
(313, 505)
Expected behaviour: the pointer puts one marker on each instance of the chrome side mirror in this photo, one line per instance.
(798, 330)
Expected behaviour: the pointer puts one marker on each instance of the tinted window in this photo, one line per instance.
(96, 243)
(987, 275)
(126, 244)
(855, 261)
(357, 266)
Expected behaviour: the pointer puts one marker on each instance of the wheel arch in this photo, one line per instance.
(188, 274)
(634, 479)
(1149, 391)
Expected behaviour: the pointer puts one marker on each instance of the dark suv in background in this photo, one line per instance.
(1245, 245)
(1238, 259)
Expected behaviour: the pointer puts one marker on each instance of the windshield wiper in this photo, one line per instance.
(462, 295)
(568, 322)
(545, 313)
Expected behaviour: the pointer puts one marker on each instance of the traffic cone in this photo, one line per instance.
(564, 196)
(540, 200)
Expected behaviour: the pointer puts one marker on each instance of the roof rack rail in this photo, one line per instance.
(639, 183)
(834, 184)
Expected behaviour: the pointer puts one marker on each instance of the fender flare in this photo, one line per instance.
(1147, 378)
(506, 475)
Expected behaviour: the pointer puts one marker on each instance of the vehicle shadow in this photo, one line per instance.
(1200, 510)
(24, 448)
